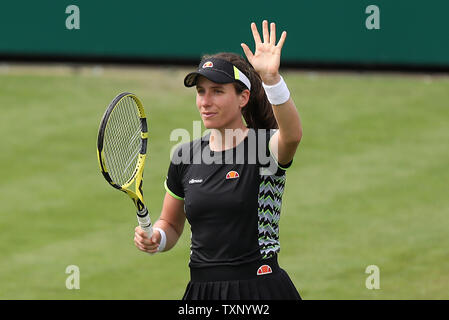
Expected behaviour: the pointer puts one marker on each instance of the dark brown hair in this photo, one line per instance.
(258, 113)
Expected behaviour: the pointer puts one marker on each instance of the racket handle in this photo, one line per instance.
(144, 220)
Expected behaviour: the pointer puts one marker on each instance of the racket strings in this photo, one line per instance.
(128, 146)
(132, 141)
(123, 141)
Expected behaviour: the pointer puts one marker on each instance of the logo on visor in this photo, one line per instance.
(208, 64)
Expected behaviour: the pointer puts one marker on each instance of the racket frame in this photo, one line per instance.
(136, 195)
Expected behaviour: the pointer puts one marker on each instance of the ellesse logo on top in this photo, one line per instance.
(265, 269)
(232, 175)
(208, 64)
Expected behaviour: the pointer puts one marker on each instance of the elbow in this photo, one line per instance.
(293, 142)
(293, 138)
(296, 138)
(299, 136)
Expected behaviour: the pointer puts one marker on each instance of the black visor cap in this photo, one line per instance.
(214, 69)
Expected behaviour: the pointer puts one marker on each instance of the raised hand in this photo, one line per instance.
(267, 56)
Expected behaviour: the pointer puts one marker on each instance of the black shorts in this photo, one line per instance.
(260, 280)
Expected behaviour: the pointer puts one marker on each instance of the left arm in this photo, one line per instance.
(284, 142)
(266, 61)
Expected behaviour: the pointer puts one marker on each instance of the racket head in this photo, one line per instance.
(122, 145)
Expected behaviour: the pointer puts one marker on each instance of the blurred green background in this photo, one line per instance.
(368, 185)
(411, 32)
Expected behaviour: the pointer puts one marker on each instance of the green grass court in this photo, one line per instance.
(369, 185)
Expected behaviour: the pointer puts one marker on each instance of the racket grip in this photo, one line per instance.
(144, 220)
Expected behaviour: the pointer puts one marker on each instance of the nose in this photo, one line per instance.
(204, 100)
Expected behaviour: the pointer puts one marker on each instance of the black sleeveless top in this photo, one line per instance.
(232, 199)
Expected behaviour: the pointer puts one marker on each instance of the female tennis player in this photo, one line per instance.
(232, 205)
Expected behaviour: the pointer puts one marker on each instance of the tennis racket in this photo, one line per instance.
(121, 149)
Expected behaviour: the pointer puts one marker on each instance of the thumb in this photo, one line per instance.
(247, 51)
(154, 238)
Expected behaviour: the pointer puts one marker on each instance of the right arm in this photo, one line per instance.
(172, 221)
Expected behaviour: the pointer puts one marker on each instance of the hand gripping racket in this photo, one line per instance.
(121, 149)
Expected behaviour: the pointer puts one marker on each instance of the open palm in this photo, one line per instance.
(267, 56)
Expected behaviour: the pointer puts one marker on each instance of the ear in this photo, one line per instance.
(244, 98)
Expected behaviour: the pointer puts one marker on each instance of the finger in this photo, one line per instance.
(266, 35)
(137, 237)
(256, 35)
(140, 232)
(149, 242)
(155, 237)
(273, 34)
(139, 245)
(282, 40)
(152, 247)
(249, 55)
(138, 242)
(144, 242)
(152, 251)
(144, 246)
(147, 250)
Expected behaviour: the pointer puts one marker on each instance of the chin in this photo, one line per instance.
(209, 124)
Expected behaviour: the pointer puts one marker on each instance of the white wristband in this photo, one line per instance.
(163, 239)
(278, 93)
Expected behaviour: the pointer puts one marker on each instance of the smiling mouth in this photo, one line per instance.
(208, 115)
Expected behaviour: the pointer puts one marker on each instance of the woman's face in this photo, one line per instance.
(219, 104)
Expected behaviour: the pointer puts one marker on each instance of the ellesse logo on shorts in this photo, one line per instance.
(232, 175)
(265, 269)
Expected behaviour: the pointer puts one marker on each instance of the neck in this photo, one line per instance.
(223, 139)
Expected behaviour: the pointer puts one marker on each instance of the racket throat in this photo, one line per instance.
(140, 206)
(142, 213)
